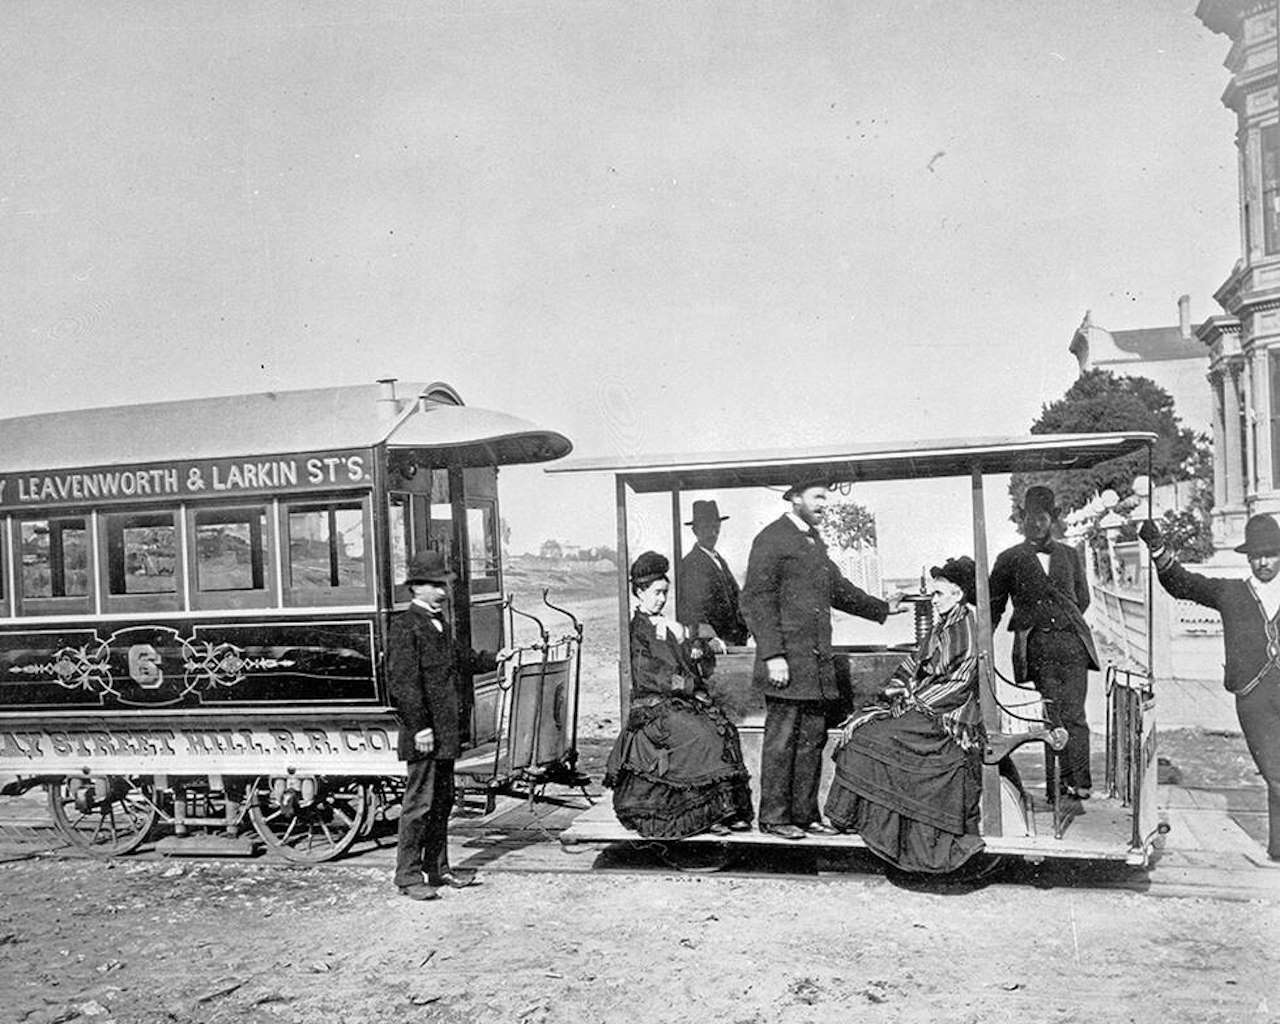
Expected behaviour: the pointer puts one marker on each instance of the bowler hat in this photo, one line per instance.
(802, 484)
(647, 567)
(1039, 499)
(962, 572)
(428, 567)
(1261, 537)
(706, 512)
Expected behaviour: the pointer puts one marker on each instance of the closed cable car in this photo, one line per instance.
(194, 604)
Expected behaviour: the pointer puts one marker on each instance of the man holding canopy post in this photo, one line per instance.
(790, 589)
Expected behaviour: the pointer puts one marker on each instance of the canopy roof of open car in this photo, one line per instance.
(855, 462)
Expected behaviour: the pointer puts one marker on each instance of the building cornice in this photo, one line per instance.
(1221, 16)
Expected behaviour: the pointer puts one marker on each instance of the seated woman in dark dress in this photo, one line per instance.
(908, 772)
(676, 769)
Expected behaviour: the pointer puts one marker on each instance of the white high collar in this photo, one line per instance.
(1268, 594)
(800, 524)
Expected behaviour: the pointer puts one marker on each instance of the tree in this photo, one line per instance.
(550, 549)
(849, 525)
(1102, 402)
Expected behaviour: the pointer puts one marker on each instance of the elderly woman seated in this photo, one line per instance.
(908, 772)
(676, 769)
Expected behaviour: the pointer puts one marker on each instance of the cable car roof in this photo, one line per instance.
(245, 426)
(896, 460)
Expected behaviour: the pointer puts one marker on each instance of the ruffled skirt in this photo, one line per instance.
(910, 791)
(677, 769)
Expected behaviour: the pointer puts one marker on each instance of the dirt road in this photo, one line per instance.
(554, 937)
(157, 941)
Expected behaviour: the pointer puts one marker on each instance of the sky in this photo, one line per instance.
(652, 226)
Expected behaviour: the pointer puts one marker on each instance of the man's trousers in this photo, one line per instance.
(1259, 714)
(422, 841)
(1058, 664)
(795, 733)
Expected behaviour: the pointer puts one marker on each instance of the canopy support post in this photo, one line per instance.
(624, 601)
(992, 822)
(677, 551)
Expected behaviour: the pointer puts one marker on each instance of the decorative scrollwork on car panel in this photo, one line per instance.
(74, 668)
(223, 664)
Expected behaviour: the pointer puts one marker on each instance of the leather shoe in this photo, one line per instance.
(1081, 793)
(740, 825)
(421, 891)
(784, 831)
(718, 828)
(459, 879)
(821, 828)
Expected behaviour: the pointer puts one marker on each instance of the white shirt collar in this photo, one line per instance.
(437, 614)
(800, 524)
(1268, 594)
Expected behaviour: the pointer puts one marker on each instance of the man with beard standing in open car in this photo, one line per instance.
(1250, 611)
(791, 587)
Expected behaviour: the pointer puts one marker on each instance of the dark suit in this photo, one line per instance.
(1053, 646)
(707, 592)
(1252, 670)
(425, 682)
(790, 590)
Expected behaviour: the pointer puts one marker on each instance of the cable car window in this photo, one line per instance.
(482, 543)
(440, 523)
(401, 532)
(142, 553)
(229, 549)
(327, 551)
(55, 558)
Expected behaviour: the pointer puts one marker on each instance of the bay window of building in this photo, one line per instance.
(1270, 137)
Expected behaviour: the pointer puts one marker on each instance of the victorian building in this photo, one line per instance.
(1171, 356)
(1244, 342)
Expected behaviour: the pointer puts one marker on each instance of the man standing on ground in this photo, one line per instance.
(706, 591)
(790, 590)
(1053, 646)
(424, 684)
(1250, 611)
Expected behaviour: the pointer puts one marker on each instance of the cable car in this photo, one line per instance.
(1119, 824)
(195, 597)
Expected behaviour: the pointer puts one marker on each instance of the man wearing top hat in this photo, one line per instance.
(425, 679)
(1250, 611)
(706, 591)
(1053, 646)
(790, 589)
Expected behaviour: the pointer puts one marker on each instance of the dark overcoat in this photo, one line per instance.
(706, 592)
(791, 587)
(1053, 601)
(425, 681)
(1251, 641)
